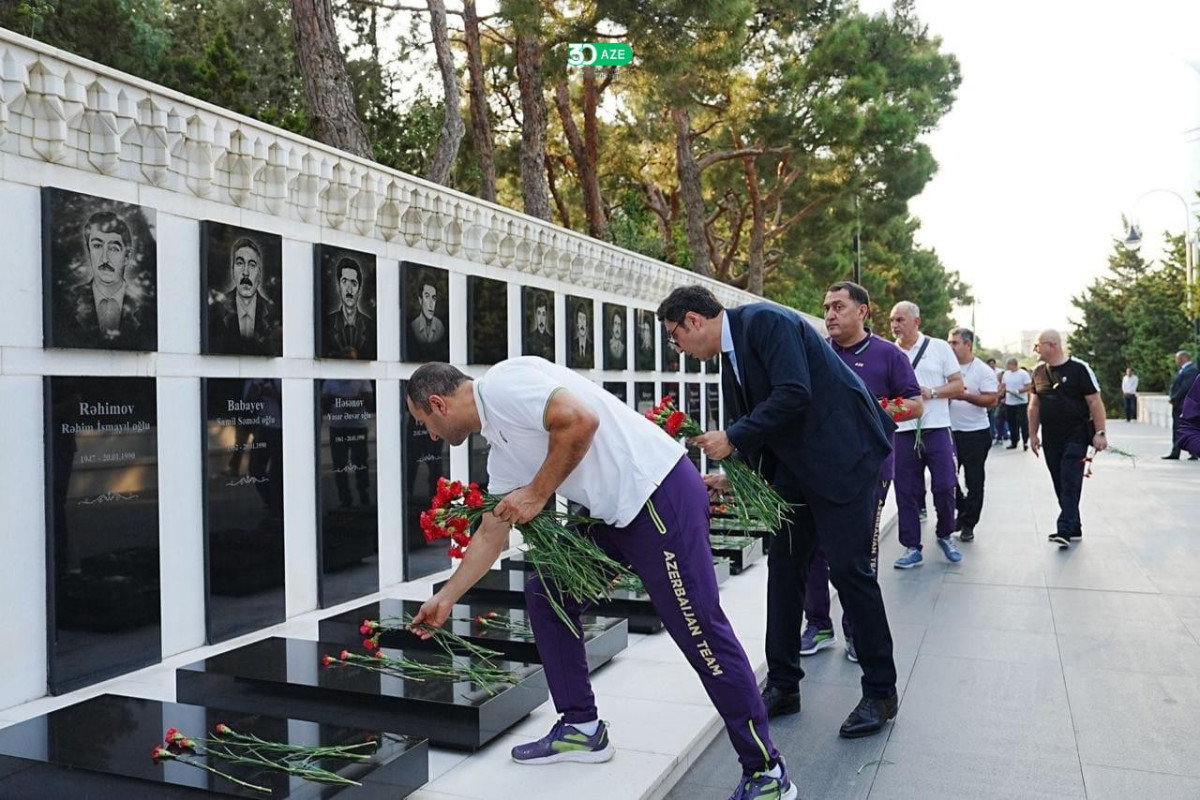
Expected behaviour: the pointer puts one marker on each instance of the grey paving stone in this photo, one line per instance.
(955, 641)
(914, 770)
(1017, 608)
(1000, 707)
(1133, 648)
(1110, 783)
(1086, 611)
(1135, 720)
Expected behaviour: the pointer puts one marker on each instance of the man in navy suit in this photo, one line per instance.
(1181, 384)
(810, 426)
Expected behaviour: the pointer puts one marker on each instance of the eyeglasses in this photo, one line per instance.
(671, 335)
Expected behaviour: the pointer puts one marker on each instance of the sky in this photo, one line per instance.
(1068, 112)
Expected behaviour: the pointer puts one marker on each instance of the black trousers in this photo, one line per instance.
(1130, 407)
(1064, 459)
(1018, 422)
(1176, 415)
(973, 448)
(845, 532)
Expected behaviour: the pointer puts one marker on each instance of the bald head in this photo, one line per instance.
(1049, 347)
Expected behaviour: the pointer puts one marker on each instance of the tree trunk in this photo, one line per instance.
(533, 126)
(452, 124)
(481, 121)
(690, 188)
(564, 215)
(754, 275)
(330, 95)
(583, 155)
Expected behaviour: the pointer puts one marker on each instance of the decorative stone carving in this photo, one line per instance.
(508, 246)
(237, 169)
(454, 230)
(490, 245)
(411, 221)
(95, 131)
(40, 117)
(434, 220)
(364, 205)
(335, 201)
(192, 156)
(389, 213)
(306, 188)
(272, 181)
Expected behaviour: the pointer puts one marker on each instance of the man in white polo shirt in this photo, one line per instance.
(971, 427)
(940, 377)
(552, 431)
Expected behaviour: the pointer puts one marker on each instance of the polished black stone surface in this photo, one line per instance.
(740, 554)
(100, 749)
(537, 322)
(347, 514)
(691, 364)
(615, 327)
(581, 348)
(344, 301)
(644, 399)
(243, 505)
(644, 327)
(487, 320)
(618, 389)
(506, 586)
(670, 356)
(425, 313)
(468, 620)
(102, 517)
(689, 403)
(240, 269)
(424, 462)
(284, 677)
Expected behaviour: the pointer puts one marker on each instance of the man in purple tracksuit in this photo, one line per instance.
(552, 431)
(888, 375)
(940, 377)
(1189, 421)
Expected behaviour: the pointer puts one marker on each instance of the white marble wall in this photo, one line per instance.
(73, 124)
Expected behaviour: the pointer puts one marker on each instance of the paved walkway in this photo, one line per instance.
(1025, 671)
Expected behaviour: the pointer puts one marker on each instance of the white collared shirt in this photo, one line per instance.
(117, 295)
(727, 345)
(628, 458)
(978, 378)
(936, 366)
(246, 308)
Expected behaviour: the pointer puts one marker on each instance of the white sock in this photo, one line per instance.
(588, 728)
(776, 771)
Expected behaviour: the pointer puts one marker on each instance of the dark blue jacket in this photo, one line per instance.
(801, 406)
(1182, 383)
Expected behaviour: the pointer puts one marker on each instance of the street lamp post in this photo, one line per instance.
(1133, 240)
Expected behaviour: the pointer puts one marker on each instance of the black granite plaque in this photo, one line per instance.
(537, 322)
(100, 273)
(507, 587)
(644, 396)
(644, 327)
(424, 462)
(670, 356)
(284, 676)
(712, 366)
(425, 317)
(604, 637)
(347, 515)
(690, 404)
(671, 388)
(102, 522)
(618, 389)
(741, 551)
(243, 505)
(581, 349)
(691, 364)
(712, 414)
(241, 291)
(616, 342)
(344, 301)
(100, 749)
(487, 320)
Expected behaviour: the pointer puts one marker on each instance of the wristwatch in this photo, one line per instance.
(1101, 433)
(933, 393)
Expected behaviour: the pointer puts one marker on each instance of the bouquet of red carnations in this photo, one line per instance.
(563, 556)
(895, 409)
(754, 501)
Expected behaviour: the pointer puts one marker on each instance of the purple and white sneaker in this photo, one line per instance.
(566, 743)
(761, 786)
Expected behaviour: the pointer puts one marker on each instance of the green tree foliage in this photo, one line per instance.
(1133, 317)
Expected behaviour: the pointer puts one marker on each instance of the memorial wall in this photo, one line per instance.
(204, 336)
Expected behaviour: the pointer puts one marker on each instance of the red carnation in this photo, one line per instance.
(459, 524)
(675, 422)
(223, 728)
(326, 660)
(170, 735)
(344, 655)
(442, 484)
(480, 621)
(474, 499)
(461, 539)
(160, 752)
(369, 644)
(455, 551)
(456, 488)
(365, 628)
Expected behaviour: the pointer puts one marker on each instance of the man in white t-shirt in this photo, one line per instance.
(1017, 383)
(971, 427)
(926, 443)
(552, 431)
(1129, 386)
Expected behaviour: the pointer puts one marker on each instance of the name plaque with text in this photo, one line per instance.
(102, 550)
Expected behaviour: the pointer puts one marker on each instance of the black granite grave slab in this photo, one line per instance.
(102, 551)
(281, 677)
(603, 637)
(506, 586)
(741, 551)
(100, 749)
(424, 461)
(243, 505)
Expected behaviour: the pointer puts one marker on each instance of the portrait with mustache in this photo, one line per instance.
(347, 293)
(242, 319)
(101, 281)
(539, 323)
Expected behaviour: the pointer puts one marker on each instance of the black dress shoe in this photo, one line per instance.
(1011, 447)
(1172, 457)
(779, 702)
(869, 716)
